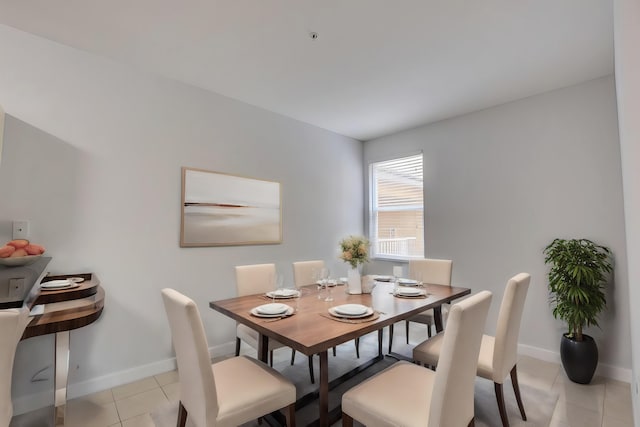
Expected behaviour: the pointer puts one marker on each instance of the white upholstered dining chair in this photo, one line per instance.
(228, 393)
(428, 271)
(305, 272)
(498, 355)
(258, 279)
(254, 279)
(13, 322)
(409, 395)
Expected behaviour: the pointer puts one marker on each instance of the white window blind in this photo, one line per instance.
(396, 214)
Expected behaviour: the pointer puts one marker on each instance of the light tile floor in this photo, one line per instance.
(603, 403)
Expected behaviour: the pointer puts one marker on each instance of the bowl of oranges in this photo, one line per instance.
(20, 252)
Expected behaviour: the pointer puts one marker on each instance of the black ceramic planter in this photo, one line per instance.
(579, 358)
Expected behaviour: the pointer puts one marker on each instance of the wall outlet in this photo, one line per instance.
(20, 230)
(16, 288)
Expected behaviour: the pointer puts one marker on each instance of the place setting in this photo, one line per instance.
(409, 292)
(55, 285)
(273, 311)
(409, 282)
(284, 293)
(352, 313)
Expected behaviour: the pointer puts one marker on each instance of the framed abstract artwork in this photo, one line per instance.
(220, 209)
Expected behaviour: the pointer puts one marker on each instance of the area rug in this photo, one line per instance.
(539, 405)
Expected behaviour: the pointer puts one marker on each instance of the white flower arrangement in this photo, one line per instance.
(354, 250)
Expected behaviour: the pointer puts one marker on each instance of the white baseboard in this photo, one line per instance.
(539, 353)
(603, 369)
(32, 402)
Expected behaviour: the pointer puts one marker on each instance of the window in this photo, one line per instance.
(396, 214)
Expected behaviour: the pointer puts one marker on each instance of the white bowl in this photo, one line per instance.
(20, 260)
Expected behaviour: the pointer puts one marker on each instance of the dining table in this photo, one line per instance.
(311, 328)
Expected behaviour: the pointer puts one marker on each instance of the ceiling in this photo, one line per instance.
(376, 67)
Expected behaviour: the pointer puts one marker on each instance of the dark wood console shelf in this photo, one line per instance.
(64, 310)
(86, 289)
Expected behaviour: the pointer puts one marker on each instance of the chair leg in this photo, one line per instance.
(313, 380)
(347, 421)
(334, 352)
(472, 423)
(271, 358)
(357, 341)
(516, 390)
(406, 328)
(293, 356)
(501, 407)
(182, 415)
(390, 337)
(429, 330)
(237, 346)
(290, 415)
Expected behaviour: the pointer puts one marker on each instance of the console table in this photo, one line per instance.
(62, 311)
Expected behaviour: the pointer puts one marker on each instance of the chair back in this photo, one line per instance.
(197, 384)
(452, 396)
(13, 322)
(432, 271)
(255, 279)
(303, 272)
(505, 351)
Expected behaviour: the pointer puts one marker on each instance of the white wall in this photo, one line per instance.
(501, 183)
(627, 39)
(92, 158)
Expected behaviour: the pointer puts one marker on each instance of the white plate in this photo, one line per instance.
(56, 284)
(368, 312)
(274, 308)
(59, 288)
(410, 292)
(75, 279)
(287, 312)
(406, 282)
(20, 260)
(384, 278)
(351, 309)
(283, 293)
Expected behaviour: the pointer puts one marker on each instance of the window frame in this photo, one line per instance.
(372, 218)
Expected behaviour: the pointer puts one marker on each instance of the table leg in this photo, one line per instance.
(263, 348)
(61, 375)
(324, 389)
(437, 318)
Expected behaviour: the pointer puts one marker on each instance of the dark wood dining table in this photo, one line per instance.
(312, 331)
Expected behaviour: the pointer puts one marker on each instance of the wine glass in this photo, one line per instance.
(278, 285)
(418, 278)
(330, 285)
(298, 296)
(322, 283)
(397, 275)
(316, 275)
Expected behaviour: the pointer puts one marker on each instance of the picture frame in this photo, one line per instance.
(221, 209)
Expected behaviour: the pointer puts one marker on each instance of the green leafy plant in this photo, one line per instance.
(579, 270)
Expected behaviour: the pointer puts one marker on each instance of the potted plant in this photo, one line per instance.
(579, 270)
(354, 250)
